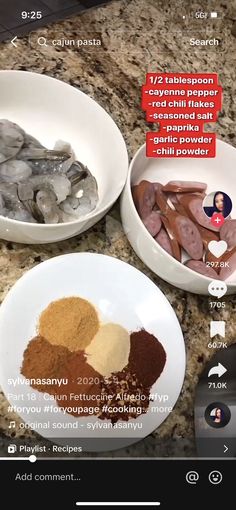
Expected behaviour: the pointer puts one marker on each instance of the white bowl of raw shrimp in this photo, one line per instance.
(51, 110)
(218, 173)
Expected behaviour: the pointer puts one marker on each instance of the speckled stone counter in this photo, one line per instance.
(135, 38)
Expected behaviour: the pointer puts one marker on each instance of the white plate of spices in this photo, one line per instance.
(95, 350)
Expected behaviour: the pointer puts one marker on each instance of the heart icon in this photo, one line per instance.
(217, 248)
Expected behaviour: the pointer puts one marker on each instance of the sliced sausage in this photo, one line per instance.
(173, 241)
(161, 198)
(185, 187)
(153, 223)
(194, 209)
(172, 197)
(174, 203)
(223, 259)
(157, 186)
(209, 257)
(163, 240)
(144, 198)
(180, 208)
(207, 235)
(228, 268)
(228, 233)
(230, 258)
(200, 267)
(187, 235)
(173, 214)
(228, 254)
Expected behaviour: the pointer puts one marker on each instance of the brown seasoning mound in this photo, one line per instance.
(147, 357)
(83, 381)
(125, 390)
(71, 322)
(41, 360)
(123, 396)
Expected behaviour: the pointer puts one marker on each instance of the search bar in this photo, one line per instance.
(86, 41)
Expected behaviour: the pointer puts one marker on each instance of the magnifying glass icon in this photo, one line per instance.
(42, 41)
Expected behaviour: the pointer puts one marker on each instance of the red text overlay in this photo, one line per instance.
(181, 104)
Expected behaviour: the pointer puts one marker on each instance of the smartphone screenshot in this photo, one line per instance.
(117, 253)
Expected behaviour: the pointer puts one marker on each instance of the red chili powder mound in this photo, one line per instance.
(122, 397)
(41, 362)
(83, 388)
(147, 357)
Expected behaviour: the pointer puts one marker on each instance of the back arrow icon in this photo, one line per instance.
(217, 370)
(225, 448)
(13, 41)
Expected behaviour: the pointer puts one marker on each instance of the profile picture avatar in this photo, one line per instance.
(217, 202)
(217, 415)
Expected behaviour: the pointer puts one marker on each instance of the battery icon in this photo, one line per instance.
(213, 14)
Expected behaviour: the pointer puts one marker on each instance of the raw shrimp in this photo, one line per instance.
(83, 199)
(9, 191)
(20, 213)
(59, 184)
(35, 153)
(11, 140)
(76, 170)
(2, 205)
(76, 207)
(46, 201)
(13, 208)
(44, 161)
(30, 142)
(87, 189)
(45, 166)
(25, 191)
(15, 170)
(70, 205)
(66, 148)
(38, 184)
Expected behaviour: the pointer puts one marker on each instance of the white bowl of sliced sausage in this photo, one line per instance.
(163, 217)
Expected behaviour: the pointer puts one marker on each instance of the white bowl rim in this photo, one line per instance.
(205, 279)
(96, 211)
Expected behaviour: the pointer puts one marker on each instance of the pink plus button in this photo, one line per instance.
(217, 219)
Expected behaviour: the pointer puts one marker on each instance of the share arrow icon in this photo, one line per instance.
(217, 370)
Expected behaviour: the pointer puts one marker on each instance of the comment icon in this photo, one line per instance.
(217, 288)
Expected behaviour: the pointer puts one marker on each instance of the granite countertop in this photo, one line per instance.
(135, 38)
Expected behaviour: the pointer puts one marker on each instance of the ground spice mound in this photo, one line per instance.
(41, 360)
(83, 388)
(109, 350)
(122, 397)
(147, 357)
(71, 322)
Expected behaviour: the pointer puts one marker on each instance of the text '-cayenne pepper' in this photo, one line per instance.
(147, 357)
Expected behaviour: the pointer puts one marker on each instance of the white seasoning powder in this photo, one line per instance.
(109, 350)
